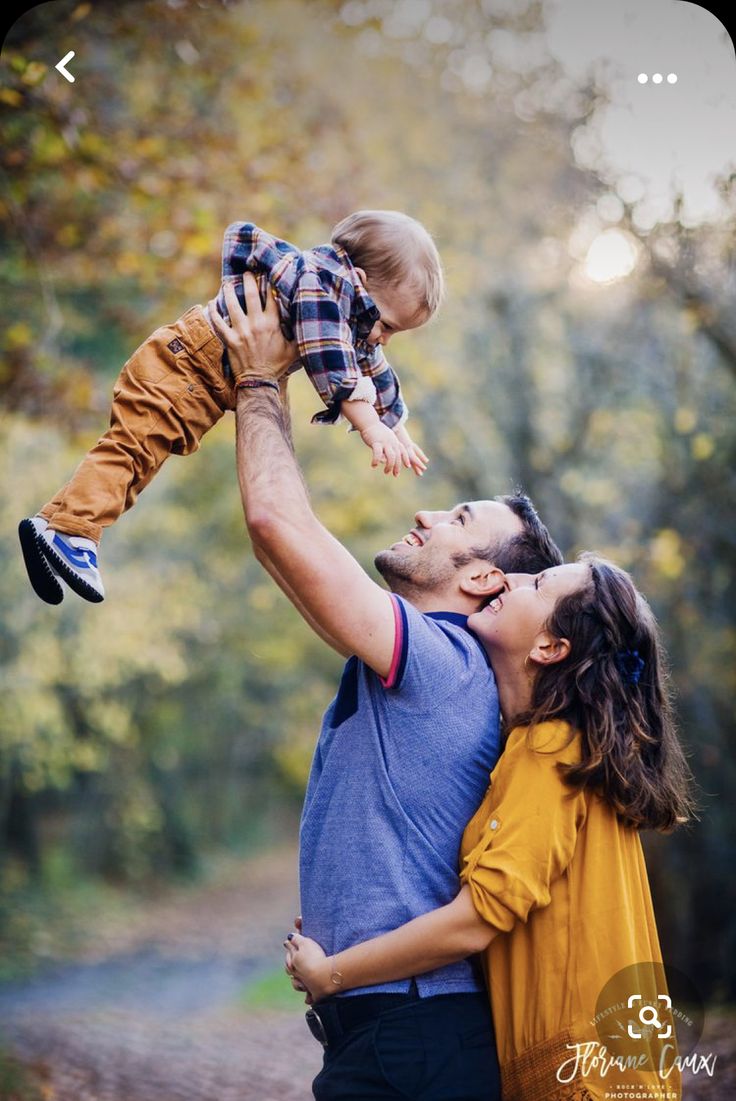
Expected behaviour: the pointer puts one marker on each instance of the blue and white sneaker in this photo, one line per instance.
(41, 574)
(74, 559)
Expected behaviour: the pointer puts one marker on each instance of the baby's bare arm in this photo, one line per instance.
(386, 448)
(361, 414)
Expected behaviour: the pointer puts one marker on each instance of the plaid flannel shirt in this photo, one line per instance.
(325, 310)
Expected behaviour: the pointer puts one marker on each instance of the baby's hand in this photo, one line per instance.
(418, 461)
(387, 448)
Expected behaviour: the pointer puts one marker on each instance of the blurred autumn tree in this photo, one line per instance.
(181, 714)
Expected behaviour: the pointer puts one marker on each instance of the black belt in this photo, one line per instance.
(333, 1018)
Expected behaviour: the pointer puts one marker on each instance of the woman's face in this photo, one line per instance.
(513, 621)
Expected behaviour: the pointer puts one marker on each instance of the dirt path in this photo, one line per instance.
(152, 1010)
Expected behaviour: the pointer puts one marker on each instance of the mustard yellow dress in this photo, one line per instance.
(565, 884)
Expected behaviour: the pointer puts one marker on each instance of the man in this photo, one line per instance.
(406, 746)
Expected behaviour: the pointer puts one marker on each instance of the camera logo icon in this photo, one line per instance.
(649, 1017)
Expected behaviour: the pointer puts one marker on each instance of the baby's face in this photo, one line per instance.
(399, 311)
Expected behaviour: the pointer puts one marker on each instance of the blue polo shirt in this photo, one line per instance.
(400, 767)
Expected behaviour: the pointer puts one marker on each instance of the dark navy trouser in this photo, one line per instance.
(439, 1048)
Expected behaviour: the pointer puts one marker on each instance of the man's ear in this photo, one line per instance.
(547, 650)
(483, 581)
(360, 272)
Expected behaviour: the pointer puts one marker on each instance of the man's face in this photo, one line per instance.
(424, 559)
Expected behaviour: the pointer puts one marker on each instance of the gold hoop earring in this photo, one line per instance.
(528, 672)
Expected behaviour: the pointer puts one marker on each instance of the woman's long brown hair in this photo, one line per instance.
(612, 687)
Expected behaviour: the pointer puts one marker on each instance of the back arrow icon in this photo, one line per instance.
(65, 72)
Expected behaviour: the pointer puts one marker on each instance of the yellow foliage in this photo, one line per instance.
(685, 420)
(87, 757)
(128, 263)
(67, 235)
(593, 491)
(139, 813)
(602, 424)
(18, 335)
(667, 554)
(295, 756)
(702, 446)
(110, 719)
(262, 597)
(34, 73)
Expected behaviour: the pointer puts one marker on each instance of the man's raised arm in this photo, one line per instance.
(321, 577)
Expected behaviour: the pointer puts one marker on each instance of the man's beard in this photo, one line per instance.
(405, 576)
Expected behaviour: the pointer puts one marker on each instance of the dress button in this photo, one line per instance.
(493, 823)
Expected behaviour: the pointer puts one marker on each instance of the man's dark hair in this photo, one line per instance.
(534, 549)
(529, 552)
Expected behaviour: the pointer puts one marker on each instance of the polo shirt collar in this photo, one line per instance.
(450, 617)
(460, 621)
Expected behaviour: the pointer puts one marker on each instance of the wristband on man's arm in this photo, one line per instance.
(255, 383)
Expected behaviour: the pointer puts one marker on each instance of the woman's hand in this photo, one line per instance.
(308, 967)
(256, 347)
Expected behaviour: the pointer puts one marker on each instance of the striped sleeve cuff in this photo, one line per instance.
(401, 645)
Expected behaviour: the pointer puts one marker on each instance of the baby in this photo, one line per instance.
(341, 302)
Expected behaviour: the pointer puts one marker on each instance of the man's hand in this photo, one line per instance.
(256, 347)
(418, 461)
(387, 449)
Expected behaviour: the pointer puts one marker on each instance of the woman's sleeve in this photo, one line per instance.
(530, 836)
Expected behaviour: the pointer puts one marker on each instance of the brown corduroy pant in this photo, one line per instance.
(170, 392)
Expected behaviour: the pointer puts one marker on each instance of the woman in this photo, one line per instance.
(555, 892)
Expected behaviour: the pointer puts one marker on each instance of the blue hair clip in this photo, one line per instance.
(629, 665)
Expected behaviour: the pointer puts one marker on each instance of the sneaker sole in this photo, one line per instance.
(75, 583)
(40, 574)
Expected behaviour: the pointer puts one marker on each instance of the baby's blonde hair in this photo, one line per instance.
(394, 249)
